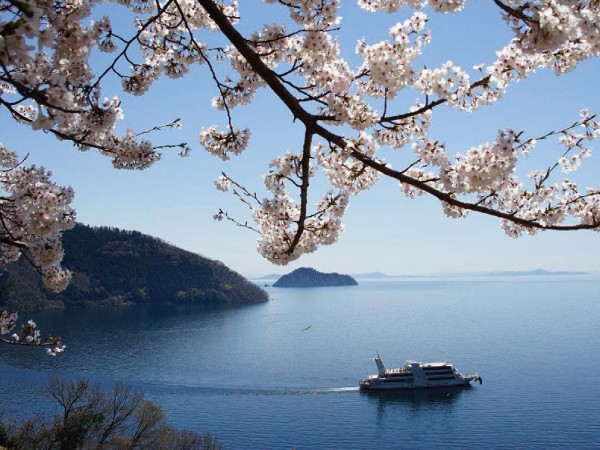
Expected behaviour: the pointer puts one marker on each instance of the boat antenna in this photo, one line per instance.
(380, 367)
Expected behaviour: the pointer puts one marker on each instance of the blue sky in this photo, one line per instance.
(385, 231)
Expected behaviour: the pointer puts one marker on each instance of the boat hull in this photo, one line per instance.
(383, 384)
(394, 387)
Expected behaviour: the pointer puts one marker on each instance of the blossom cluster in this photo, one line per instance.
(389, 64)
(345, 172)
(482, 168)
(224, 143)
(284, 237)
(278, 222)
(394, 5)
(29, 334)
(34, 211)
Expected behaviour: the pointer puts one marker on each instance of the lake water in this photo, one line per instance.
(252, 377)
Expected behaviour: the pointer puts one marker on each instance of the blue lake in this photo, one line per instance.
(252, 377)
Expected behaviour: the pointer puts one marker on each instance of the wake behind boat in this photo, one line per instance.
(417, 375)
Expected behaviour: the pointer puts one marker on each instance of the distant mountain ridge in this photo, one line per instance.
(372, 275)
(115, 267)
(535, 272)
(384, 276)
(272, 276)
(308, 277)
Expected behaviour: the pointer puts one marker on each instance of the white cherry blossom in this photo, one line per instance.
(352, 113)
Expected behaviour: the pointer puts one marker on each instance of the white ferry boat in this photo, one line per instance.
(417, 375)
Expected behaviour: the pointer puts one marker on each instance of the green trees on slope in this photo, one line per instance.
(112, 267)
(91, 418)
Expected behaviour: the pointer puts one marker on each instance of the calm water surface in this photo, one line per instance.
(252, 377)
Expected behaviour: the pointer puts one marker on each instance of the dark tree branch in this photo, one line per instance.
(516, 13)
(429, 105)
(237, 223)
(12, 243)
(314, 128)
(305, 175)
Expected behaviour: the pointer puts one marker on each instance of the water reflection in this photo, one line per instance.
(113, 340)
(414, 401)
(417, 397)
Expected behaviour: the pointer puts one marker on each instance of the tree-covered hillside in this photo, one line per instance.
(308, 277)
(113, 267)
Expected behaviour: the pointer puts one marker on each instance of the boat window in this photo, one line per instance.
(442, 378)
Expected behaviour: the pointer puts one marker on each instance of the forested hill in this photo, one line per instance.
(113, 267)
(308, 277)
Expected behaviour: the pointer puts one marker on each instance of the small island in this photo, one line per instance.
(306, 277)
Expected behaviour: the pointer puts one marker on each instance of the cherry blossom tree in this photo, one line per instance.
(348, 113)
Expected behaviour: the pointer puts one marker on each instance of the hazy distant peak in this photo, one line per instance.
(372, 275)
(535, 272)
(272, 276)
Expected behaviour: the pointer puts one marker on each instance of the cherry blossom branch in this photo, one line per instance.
(313, 128)
(259, 42)
(429, 105)
(12, 242)
(224, 215)
(254, 60)
(34, 94)
(557, 132)
(225, 181)
(305, 175)
(123, 53)
(515, 13)
(452, 200)
(220, 86)
(564, 131)
(28, 335)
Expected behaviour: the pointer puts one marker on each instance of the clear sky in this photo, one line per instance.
(385, 231)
